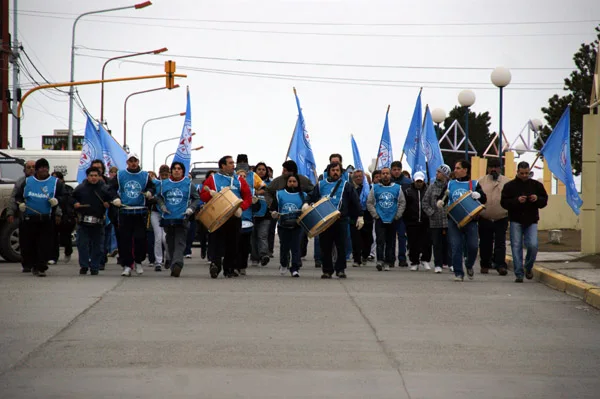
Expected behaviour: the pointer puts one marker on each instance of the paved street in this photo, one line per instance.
(396, 334)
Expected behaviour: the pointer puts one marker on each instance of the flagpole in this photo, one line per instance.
(291, 140)
(535, 160)
(386, 116)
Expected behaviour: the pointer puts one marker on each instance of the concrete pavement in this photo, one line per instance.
(396, 334)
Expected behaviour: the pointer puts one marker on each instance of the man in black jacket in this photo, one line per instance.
(361, 239)
(523, 197)
(64, 230)
(417, 224)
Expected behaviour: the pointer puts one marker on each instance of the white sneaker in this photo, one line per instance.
(295, 274)
(139, 269)
(452, 269)
(51, 262)
(438, 269)
(188, 256)
(414, 268)
(426, 265)
(126, 272)
(283, 270)
(355, 264)
(386, 268)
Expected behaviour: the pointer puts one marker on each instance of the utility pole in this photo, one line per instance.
(5, 52)
(16, 122)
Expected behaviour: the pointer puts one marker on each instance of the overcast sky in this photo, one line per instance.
(234, 114)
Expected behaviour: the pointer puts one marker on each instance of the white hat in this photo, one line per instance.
(133, 155)
(419, 176)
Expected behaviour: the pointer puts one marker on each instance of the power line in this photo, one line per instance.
(338, 80)
(247, 22)
(379, 35)
(420, 67)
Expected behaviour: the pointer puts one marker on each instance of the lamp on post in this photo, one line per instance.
(144, 125)
(161, 50)
(162, 141)
(466, 98)
(438, 115)
(173, 153)
(500, 78)
(71, 90)
(125, 108)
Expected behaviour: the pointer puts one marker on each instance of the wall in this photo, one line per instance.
(558, 215)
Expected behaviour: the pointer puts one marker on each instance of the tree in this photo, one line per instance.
(579, 85)
(479, 132)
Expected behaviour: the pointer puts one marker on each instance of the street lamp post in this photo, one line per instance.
(438, 115)
(162, 50)
(144, 125)
(466, 98)
(125, 108)
(173, 153)
(71, 90)
(500, 78)
(162, 141)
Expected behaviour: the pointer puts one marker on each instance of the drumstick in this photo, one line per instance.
(31, 209)
(84, 205)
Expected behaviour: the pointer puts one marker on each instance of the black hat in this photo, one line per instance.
(41, 163)
(180, 164)
(241, 158)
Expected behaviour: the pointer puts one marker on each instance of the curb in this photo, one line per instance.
(588, 293)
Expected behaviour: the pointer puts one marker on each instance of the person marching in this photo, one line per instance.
(286, 208)
(401, 179)
(225, 240)
(262, 222)
(37, 199)
(493, 221)
(523, 197)
(133, 186)
(64, 230)
(160, 239)
(386, 203)
(91, 202)
(417, 224)
(467, 234)
(438, 219)
(178, 200)
(344, 198)
(361, 239)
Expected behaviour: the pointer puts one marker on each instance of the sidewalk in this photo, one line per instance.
(569, 272)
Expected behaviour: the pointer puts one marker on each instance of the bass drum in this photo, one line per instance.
(219, 209)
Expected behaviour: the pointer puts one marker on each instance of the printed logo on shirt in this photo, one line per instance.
(386, 200)
(132, 189)
(289, 208)
(459, 192)
(174, 197)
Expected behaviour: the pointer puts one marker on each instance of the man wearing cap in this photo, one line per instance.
(37, 199)
(386, 204)
(225, 240)
(417, 224)
(133, 186)
(435, 209)
(493, 221)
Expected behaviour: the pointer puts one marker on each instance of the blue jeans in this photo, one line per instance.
(468, 236)
(401, 231)
(90, 243)
(519, 234)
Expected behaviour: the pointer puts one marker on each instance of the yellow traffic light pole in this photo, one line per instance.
(168, 76)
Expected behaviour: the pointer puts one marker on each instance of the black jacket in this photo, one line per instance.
(413, 213)
(93, 195)
(525, 213)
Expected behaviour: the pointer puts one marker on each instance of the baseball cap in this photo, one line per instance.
(133, 155)
(419, 176)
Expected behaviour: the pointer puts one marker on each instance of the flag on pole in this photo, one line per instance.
(358, 165)
(300, 149)
(557, 153)
(113, 154)
(184, 148)
(412, 146)
(91, 149)
(431, 146)
(384, 155)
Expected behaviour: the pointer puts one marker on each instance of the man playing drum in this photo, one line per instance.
(386, 204)
(457, 236)
(224, 240)
(345, 199)
(91, 202)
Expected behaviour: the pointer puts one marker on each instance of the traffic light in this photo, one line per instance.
(170, 74)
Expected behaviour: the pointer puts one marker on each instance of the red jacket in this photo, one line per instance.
(245, 191)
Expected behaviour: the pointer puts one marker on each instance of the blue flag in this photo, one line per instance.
(364, 194)
(412, 146)
(91, 149)
(384, 155)
(300, 149)
(557, 153)
(431, 146)
(112, 153)
(184, 148)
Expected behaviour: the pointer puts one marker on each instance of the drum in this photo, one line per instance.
(219, 209)
(319, 217)
(465, 209)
